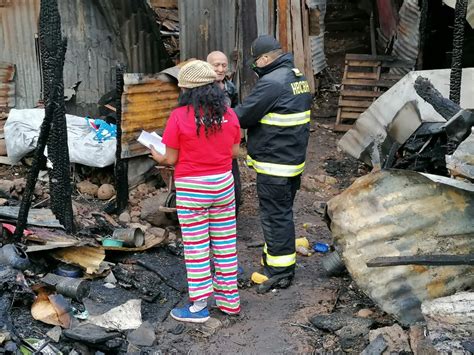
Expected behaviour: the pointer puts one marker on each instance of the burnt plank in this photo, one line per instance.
(363, 63)
(362, 82)
(350, 115)
(441, 259)
(361, 93)
(361, 75)
(355, 103)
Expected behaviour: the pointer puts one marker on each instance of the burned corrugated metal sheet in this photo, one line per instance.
(371, 127)
(92, 52)
(407, 42)
(317, 13)
(95, 44)
(403, 213)
(205, 26)
(147, 101)
(101, 33)
(388, 17)
(18, 28)
(7, 87)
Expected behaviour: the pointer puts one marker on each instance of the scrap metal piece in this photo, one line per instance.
(371, 126)
(36, 217)
(399, 213)
(88, 258)
(461, 162)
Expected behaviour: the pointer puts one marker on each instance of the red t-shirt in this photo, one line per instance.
(201, 155)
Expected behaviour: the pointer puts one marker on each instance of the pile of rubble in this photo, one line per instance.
(52, 272)
(405, 231)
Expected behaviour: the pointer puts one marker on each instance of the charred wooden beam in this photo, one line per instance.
(445, 107)
(458, 43)
(53, 51)
(433, 260)
(53, 130)
(121, 165)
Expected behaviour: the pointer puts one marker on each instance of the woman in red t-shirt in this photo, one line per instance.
(202, 136)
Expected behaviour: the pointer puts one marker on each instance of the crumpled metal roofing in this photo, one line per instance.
(318, 57)
(404, 213)
(7, 86)
(461, 162)
(407, 41)
(371, 126)
(147, 101)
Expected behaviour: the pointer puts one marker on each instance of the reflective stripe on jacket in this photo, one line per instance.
(277, 116)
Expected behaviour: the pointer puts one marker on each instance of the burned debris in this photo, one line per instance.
(90, 248)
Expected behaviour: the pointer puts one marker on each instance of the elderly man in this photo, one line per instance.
(219, 62)
(277, 115)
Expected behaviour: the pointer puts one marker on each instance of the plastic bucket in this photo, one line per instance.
(131, 237)
(333, 264)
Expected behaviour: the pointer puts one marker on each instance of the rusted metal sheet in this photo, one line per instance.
(403, 213)
(205, 26)
(407, 42)
(18, 28)
(7, 87)
(388, 17)
(147, 101)
(316, 38)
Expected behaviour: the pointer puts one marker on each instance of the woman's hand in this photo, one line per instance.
(169, 158)
(158, 157)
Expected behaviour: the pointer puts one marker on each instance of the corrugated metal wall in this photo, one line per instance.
(205, 26)
(92, 53)
(263, 21)
(97, 40)
(318, 57)
(147, 102)
(18, 26)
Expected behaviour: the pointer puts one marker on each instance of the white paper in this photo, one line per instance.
(152, 140)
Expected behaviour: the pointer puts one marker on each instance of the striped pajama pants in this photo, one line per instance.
(206, 212)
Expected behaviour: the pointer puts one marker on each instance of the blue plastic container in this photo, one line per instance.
(321, 247)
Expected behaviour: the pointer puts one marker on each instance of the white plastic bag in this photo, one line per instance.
(22, 130)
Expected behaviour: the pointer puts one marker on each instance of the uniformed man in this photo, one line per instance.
(277, 115)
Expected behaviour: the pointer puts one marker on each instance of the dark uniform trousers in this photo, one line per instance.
(276, 196)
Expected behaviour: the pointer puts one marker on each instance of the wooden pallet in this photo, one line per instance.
(365, 79)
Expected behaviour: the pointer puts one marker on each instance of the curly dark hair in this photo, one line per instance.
(209, 103)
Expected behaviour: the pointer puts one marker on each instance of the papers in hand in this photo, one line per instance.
(152, 140)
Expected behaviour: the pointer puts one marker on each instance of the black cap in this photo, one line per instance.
(263, 44)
